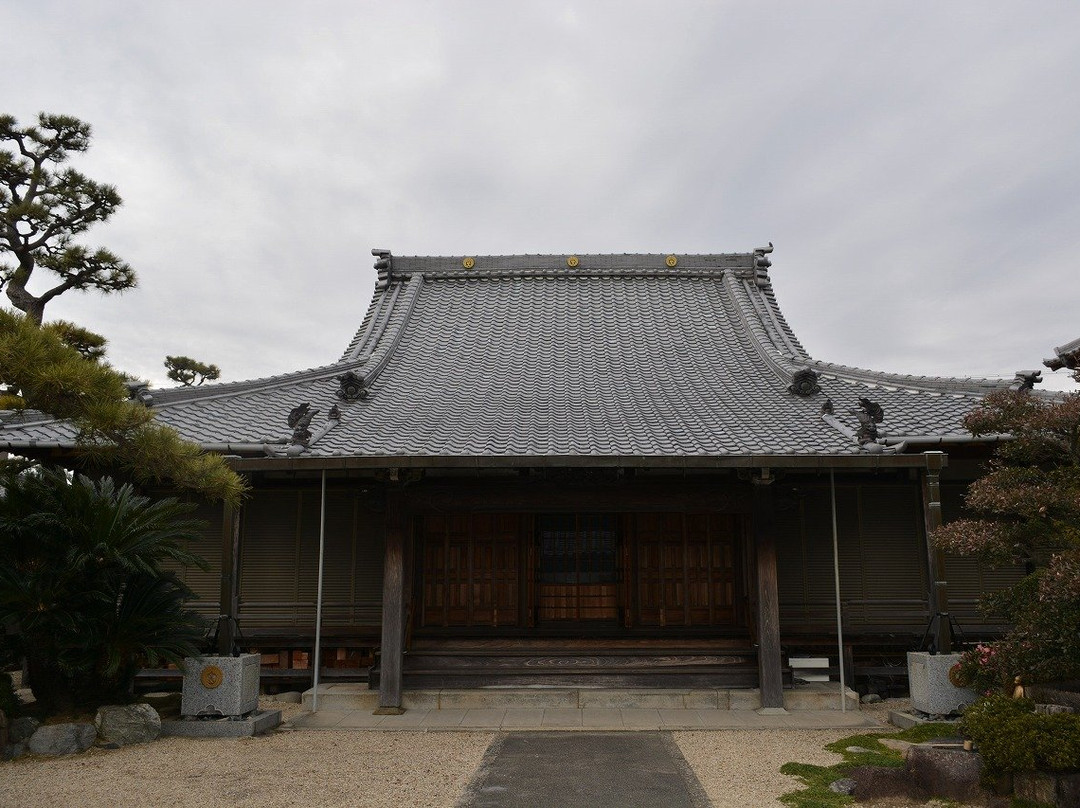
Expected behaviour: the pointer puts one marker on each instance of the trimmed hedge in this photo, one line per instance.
(1012, 738)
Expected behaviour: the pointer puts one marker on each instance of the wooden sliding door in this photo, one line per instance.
(686, 568)
(470, 572)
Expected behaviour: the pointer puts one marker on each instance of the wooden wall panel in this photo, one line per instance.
(279, 559)
(206, 584)
(882, 567)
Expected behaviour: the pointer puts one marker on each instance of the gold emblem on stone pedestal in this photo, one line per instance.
(211, 677)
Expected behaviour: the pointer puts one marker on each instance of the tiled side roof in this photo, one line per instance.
(528, 356)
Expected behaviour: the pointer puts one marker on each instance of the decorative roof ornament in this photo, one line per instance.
(334, 414)
(1026, 380)
(761, 265)
(300, 419)
(139, 391)
(383, 261)
(869, 415)
(1068, 356)
(352, 386)
(805, 383)
(827, 407)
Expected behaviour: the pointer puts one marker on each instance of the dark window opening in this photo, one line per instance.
(578, 549)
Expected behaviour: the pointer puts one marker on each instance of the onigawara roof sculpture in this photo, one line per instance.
(582, 358)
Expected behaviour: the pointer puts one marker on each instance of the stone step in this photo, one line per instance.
(352, 696)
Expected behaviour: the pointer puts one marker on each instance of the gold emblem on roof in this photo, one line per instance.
(671, 260)
(468, 263)
(572, 261)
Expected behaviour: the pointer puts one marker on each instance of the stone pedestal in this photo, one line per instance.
(928, 681)
(220, 685)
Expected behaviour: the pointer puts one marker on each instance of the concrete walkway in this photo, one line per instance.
(569, 770)
(606, 719)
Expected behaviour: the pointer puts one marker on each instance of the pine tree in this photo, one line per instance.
(43, 206)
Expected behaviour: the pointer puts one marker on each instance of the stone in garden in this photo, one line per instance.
(128, 723)
(949, 773)
(21, 729)
(870, 698)
(1046, 788)
(12, 751)
(859, 750)
(289, 696)
(896, 744)
(881, 782)
(1052, 709)
(62, 739)
(931, 691)
(843, 786)
(163, 702)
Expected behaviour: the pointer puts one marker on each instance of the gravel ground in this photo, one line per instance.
(741, 768)
(737, 768)
(326, 769)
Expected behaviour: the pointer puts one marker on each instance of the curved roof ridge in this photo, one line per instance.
(386, 335)
(955, 385)
(164, 397)
(758, 329)
(367, 324)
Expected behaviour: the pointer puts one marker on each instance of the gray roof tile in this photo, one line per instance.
(525, 356)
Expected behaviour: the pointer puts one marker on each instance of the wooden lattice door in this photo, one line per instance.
(470, 569)
(686, 568)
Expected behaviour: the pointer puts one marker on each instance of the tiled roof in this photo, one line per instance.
(527, 356)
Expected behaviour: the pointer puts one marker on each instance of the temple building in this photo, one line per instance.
(612, 469)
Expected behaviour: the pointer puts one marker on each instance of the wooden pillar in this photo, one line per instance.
(393, 608)
(939, 592)
(770, 673)
(230, 580)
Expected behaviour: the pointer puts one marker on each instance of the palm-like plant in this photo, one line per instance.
(82, 584)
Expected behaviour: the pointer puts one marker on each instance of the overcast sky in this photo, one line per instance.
(917, 165)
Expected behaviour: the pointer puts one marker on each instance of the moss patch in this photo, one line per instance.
(817, 778)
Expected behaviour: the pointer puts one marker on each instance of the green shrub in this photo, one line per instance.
(84, 584)
(1011, 737)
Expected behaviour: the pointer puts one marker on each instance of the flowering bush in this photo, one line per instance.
(985, 669)
(1026, 511)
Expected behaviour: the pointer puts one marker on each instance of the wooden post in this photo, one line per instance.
(939, 591)
(230, 588)
(770, 672)
(393, 608)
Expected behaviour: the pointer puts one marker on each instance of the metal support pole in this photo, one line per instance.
(318, 598)
(836, 577)
(939, 588)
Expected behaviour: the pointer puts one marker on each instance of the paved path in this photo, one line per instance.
(590, 718)
(599, 770)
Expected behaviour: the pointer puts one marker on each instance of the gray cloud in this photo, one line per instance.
(917, 168)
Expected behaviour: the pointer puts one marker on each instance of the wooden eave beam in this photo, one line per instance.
(555, 461)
